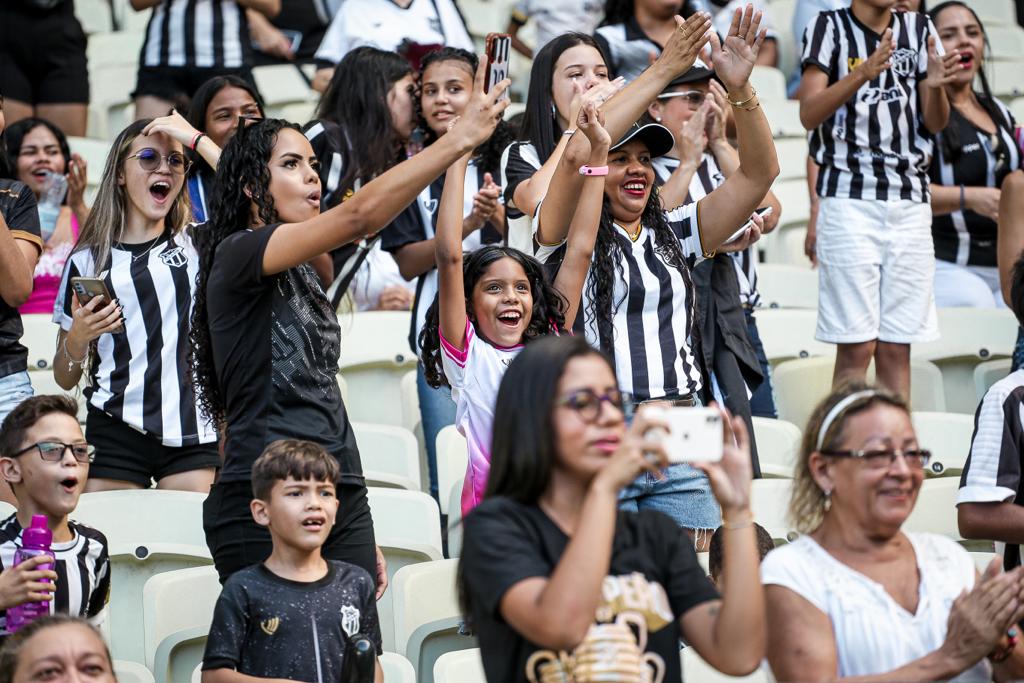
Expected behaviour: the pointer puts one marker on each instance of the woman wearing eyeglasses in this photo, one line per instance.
(143, 416)
(856, 596)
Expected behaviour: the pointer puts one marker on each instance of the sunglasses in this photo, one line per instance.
(53, 451)
(694, 98)
(149, 160)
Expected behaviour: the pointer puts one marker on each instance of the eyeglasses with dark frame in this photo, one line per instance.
(915, 457)
(53, 451)
(149, 160)
(694, 98)
(587, 403)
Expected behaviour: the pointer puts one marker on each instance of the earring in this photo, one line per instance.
(554, 112)
(658, 119)
(828, 500)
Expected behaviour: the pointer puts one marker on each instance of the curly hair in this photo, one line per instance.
(488, 154)
(242, 168)
(548, 305)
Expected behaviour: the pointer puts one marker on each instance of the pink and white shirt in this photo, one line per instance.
(475, 374)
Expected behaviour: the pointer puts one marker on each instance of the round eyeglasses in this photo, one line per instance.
(149, 160)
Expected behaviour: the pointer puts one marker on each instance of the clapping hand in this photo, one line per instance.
(941, 70)
(686, 42)
(599, 94)
(693, 140)
(717, 112)
(78, 174)
(734, 59)
(485, 203)
(879, 61)
(590, 122)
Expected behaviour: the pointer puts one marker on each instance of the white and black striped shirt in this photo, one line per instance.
(704, 181)
(197, 33)
(82, 564)
(875, 146)
(653, 311)
(519, 161)
(328, 141)
(627, 48)
(142, 375)
(965, 237)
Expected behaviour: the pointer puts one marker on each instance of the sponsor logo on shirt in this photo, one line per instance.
(880, 95)
(269, 626)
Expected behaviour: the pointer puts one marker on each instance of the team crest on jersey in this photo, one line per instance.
(269, 626)
(431, 206)
(350, 620)
(904, 62)
(174, 257)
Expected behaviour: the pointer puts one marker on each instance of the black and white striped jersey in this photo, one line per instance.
(83, 570)
(142, 375)
(875, 146)
(653, 310)
(328, 142)
(969, 156)
(627, 48)
(197, 33)
(704, 181)
(519, 161)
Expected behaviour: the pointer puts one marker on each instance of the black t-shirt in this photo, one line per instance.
(654, 576)
(271, 627)
(276, 343)
(18, 206)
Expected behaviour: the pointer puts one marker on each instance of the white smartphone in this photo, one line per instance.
(766, 211)
(694, 434)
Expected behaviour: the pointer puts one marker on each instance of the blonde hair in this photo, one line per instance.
(807, 504)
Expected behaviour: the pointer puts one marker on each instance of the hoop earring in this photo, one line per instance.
(554, 112)
(828, 500)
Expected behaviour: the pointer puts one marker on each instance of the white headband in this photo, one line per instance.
(837, 410)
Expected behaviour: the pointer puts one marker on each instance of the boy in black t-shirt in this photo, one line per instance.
(296, 615)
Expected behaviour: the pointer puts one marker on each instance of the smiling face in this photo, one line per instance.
(401, 104)
(584, 447)
(65, 653)
(40, 153)
(444, 93)
(42, 487)
(151, 193)
(225, 108)
(582, 64)
(629, 181)
(299, 513)
(294, 183)
(959, 30)
(502, 303)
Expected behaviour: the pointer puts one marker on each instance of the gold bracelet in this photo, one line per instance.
(740, 105)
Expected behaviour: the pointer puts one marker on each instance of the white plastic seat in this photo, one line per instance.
(390, 456)
(786, 247)
(95, 17)
(110, 102)
(44, 383)
(455, 519)
(40, 338)
(795, 201)
(296, 112)
(995, 12)
(174, 628)
(696, 670)
(427, 615)
(784, 119)
(407, 526)
(1017, 108)
(149, 532)
(95, 153)
(703, 559)
(988, 373)
(375, 355)
(117, 48)
(1006, 42)
(1005, 78)
(769, 501)
(397, 669)
(282, 84)
(789, 333)
(792, 154)
(132, 672)
(452, 460)
(948, 437)
(784, 286)
(982, 559)
(935, 509)
(778, 444)
(770, 84)
(802, 383)
(787, 44)
(462, 666)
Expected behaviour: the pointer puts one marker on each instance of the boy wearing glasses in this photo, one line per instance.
(44, 458)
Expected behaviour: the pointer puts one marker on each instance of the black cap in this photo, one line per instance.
(657, 137)
(698, 72)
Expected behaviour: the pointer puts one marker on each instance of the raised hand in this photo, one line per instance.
(731, 477)
(590, 122)
(638, 452)
(734, 59)
(942, 70)
(78, 175)
(599, 94)
(717, 112)
(482, 113)
(173, 126)
(693, 139)
(686, 42)
(879, 61)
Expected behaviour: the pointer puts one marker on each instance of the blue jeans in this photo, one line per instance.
(762, 401)
(437, 411)
(13, 390)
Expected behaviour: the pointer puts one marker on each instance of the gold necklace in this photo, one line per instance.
(634, 236)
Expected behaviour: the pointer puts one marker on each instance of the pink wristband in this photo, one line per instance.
(593, 170)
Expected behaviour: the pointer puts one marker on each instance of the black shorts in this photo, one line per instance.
(42, 55)
(126, 454)
(177, 84)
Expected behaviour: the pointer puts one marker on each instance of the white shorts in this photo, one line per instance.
(876, 268)
(971, 286)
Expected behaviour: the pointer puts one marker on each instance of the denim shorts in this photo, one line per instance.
(684, 495)
(14, 389)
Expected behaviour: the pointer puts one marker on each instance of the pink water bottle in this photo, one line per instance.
(35, 540)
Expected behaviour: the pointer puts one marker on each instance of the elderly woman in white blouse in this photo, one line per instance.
(856, 597)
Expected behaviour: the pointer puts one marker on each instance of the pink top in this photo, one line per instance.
(46, 282)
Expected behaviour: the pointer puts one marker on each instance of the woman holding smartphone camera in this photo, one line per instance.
(131, 341)
(556, 579)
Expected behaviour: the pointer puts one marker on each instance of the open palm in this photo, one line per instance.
(734, 59)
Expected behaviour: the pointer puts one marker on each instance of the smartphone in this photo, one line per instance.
(766, 211)
(88, 288)
(694, 434)
(499, 52)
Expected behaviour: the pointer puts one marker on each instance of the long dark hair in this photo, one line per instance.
(540, 122)
(201, 102)
(487, 155)
(356, 100)
(15, 134)
(242, 168)
(952, 145)
(548, 305)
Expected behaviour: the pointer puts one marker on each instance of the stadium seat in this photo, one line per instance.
(769, 501)
(296, 112)
(343, 388)
(770, 84)
(788, 44)
(789, 333)
(455, 519)
(40, 338)
(407, 527)
(802, 383)
(427, 615)
(462, 666)
(6, 510)
(935, 509)
(1006, 42)
(150, 532)
(995, 12)
(452, 459)
(792, 153)
(948, 437)
(410, 402)
(988, 373)
(175, 629)
(1005, 79)
(784, 119)
(375, 355)
(95, 16)
(127, 19)
(696, 670)
(786, 247)
(982, 559)
(796, 203)
(110, 101)
(784, 286)
(118, 48)
(1017, 108)
(94, 152)
(778, 445)
(43, 382)
(968, 336)
(397, 669)
(390, 456)
(132, 672)
(281, 84)
(703, 559)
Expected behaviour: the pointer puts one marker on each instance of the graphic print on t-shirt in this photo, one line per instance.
(613, 649)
